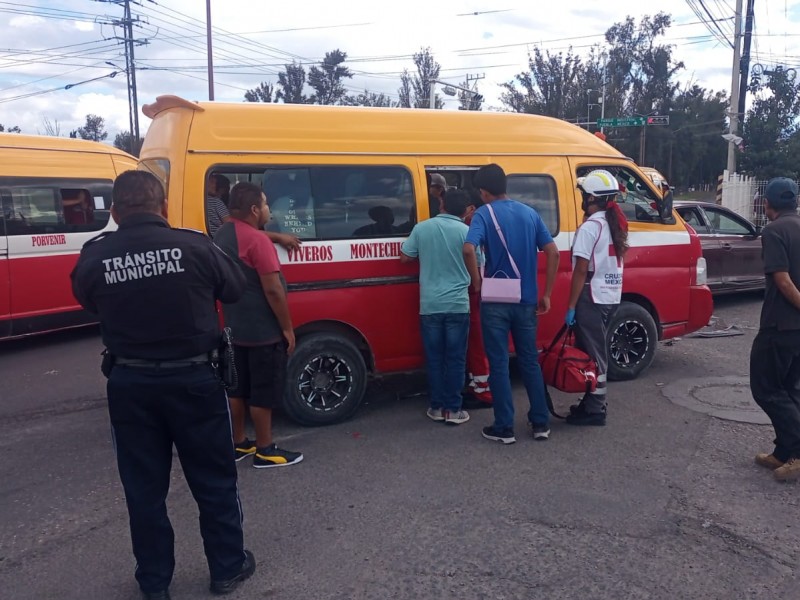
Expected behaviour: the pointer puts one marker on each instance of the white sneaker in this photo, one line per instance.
(435, 414)
(456, 417)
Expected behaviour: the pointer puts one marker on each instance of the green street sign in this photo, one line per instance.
(622, 122)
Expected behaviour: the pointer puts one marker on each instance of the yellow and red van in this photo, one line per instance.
(351, 182)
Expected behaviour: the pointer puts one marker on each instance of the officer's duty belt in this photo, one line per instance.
(200, 359)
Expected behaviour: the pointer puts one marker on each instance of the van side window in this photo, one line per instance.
(636, 199)
(539, 192)
(33, 206)
(340, 202)
(288, 193)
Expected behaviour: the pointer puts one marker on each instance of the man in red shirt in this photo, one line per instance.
(78, 210)
(262, 330)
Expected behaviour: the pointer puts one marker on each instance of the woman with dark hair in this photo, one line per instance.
(597, 259)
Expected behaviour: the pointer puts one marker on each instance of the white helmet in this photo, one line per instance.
(599, 183)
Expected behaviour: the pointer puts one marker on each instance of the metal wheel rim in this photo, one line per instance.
(629, 344)
(325, 382)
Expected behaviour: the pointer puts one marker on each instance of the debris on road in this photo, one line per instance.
(717, 328)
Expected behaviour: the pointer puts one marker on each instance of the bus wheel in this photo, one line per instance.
(632, 338)
(326, 380)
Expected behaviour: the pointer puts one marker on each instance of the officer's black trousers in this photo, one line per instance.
(150, 411)
(775, 384)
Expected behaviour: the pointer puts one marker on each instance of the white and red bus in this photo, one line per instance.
(55, 194)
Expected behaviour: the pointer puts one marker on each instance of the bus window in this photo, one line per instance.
(33, 206)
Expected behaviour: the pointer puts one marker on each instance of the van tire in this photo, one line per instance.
(311, 382)
(632, 341)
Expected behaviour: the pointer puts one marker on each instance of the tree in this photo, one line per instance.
(263, 93)
(368, 98)
(125, 142)
(94, 129)
(551, 86)
(14, 129)
(694, 153)
(326, 79)
(415, 90)
(51, 128)
(771, 133)
(292, 81)
(404, 92)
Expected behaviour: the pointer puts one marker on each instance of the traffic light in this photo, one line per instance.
(658, 120)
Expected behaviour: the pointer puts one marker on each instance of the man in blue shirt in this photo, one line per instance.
(443, 303)
(524, 232)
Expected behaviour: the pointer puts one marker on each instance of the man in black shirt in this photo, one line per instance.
(775, 356)
(153, 289)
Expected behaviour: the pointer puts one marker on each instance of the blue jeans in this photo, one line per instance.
(497, 321)
(444, 336)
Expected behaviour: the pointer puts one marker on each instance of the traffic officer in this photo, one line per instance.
(154, 290)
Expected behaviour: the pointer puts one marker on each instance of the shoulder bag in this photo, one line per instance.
(502, 289)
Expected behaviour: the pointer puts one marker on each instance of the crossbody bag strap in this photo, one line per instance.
(503, 240)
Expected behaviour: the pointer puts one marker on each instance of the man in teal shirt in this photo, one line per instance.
(443, 303)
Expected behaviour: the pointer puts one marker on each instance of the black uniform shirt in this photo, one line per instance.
(154, 288)
(781, 250)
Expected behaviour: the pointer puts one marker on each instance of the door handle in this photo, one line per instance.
(726, 245)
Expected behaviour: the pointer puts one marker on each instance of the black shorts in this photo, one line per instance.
(261, 372)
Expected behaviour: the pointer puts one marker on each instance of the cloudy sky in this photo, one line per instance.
(46, 47)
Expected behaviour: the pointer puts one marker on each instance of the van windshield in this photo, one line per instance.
(158, 167)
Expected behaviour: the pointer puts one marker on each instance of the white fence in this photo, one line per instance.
(745, 196)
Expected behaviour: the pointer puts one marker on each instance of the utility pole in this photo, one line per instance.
(474, 79)
(734, 105)
(129, 42)
(130, 67)
(745, 62)
(210, 52)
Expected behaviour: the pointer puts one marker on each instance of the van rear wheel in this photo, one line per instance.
(632, 338)
(326, 380)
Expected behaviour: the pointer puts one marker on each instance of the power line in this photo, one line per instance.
(60, 88)
(712, 24)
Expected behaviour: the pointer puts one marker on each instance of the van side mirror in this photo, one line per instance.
(757, 230)
(665, 208)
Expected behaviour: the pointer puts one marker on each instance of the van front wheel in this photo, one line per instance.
(326, 380)
(632, 338)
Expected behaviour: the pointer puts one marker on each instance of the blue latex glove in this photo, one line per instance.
(570, 318)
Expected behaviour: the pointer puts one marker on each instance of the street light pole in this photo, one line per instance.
(734, 109)
(643, 135)
(603, 98)
(447, 90)
(210, 52)
(588, 108)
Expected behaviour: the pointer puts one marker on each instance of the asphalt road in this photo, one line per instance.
(664, 502)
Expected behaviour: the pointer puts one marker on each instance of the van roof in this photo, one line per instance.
(290, 128)
(47, 142)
